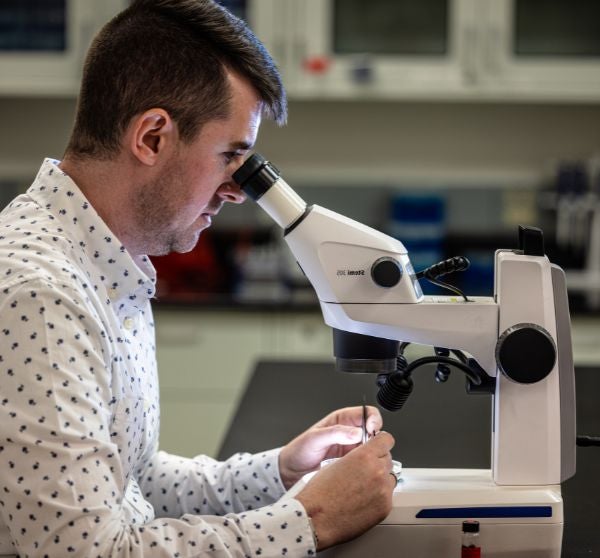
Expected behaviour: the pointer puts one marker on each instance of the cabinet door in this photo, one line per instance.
(193, 423)
(377, 48)
(546, 48)
(206, 350)
(43, 44)
(269, 19)
(204, 361)
(299, 336)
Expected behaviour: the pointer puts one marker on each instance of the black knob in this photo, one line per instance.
(526, 353)
(386, 272)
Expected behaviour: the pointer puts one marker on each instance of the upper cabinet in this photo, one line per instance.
(438, 49)
(383, 48)
(43, 43)
(414, 49)
(547, 49)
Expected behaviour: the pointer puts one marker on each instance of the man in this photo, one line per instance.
(171, 101)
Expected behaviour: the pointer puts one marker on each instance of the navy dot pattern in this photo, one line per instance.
(80, 469)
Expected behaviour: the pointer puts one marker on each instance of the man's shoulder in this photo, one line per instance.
(37, 252)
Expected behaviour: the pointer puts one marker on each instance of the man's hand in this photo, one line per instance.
(353, 494)
(334, 436)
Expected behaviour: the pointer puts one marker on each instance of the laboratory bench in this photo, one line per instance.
(439, 426)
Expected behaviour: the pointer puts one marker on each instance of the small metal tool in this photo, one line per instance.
(365, 434)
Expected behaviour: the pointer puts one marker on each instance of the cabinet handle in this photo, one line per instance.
(470, 55)
(493, 50)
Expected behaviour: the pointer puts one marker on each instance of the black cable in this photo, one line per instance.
(447, 286)
(460, 355)
(395, 388)
(585, 441)
(457, 263)
(402, 347)
(433, 272)
(470, 373)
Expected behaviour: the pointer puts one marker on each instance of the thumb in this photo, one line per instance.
(383, 442)
(338, 434)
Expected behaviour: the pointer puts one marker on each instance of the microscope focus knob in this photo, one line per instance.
(386, 272)
(526, 353)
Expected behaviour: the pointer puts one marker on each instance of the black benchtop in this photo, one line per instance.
(440, 426)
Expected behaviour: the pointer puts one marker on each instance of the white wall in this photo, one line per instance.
(339, 141)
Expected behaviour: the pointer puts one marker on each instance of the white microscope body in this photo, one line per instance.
(520, 337)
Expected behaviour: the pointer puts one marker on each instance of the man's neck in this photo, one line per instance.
(105, 185)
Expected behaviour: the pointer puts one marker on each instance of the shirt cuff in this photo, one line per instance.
(281, 529)
(267, 467)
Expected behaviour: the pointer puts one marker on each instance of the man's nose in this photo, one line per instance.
(230, 192)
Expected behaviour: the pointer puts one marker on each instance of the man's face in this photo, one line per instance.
(173, 210)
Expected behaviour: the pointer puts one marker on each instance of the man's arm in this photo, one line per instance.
(63, 477)
(177, 485)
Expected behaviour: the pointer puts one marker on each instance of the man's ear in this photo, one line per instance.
(151, 134)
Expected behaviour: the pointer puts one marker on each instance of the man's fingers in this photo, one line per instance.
(383, 443)
(374, 420)
(339, 434)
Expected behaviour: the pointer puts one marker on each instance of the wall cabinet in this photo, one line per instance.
(427, 49)
(437, 49)
(546, 49)
(43, 44)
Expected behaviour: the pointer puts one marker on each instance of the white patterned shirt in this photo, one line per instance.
(80, 470)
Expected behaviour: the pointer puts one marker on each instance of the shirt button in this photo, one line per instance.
(112, 293)
(128, 323)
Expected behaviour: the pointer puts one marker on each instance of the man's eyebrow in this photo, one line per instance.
(243, 145)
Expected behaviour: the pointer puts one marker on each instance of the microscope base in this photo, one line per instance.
(431, 504)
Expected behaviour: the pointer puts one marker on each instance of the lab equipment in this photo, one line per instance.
(470, 540)
(365, 434)
(515, 345)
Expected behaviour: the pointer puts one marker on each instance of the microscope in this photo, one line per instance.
(515, 346)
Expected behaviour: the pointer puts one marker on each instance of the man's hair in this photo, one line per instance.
(170, 54)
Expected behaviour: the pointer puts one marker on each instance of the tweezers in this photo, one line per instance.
(365, 436)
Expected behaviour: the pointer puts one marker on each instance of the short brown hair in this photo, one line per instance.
(171, 54)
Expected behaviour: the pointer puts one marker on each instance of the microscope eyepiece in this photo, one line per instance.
(262, 182)
(256, 176)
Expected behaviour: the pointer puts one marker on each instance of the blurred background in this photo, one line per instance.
(445, 123)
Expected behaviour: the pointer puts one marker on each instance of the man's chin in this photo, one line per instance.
(175, 245)
(184, 246)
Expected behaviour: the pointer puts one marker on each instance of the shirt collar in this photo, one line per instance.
(124, 278)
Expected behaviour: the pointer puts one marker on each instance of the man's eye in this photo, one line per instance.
(229, 156)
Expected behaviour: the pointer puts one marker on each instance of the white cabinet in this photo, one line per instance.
(300, 336)
(204, 361)
(207, 350)
(439, 49)
(205, 358)
(43, 44)
(547, 49)
(375, 48)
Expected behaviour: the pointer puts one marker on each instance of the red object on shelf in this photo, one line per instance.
(316, 64)
(197, 271)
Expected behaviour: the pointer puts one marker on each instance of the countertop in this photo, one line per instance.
(440, 426)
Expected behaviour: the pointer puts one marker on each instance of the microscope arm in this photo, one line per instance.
(350, 267)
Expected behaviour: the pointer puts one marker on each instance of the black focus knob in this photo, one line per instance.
(526, 353)
(386, 272)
